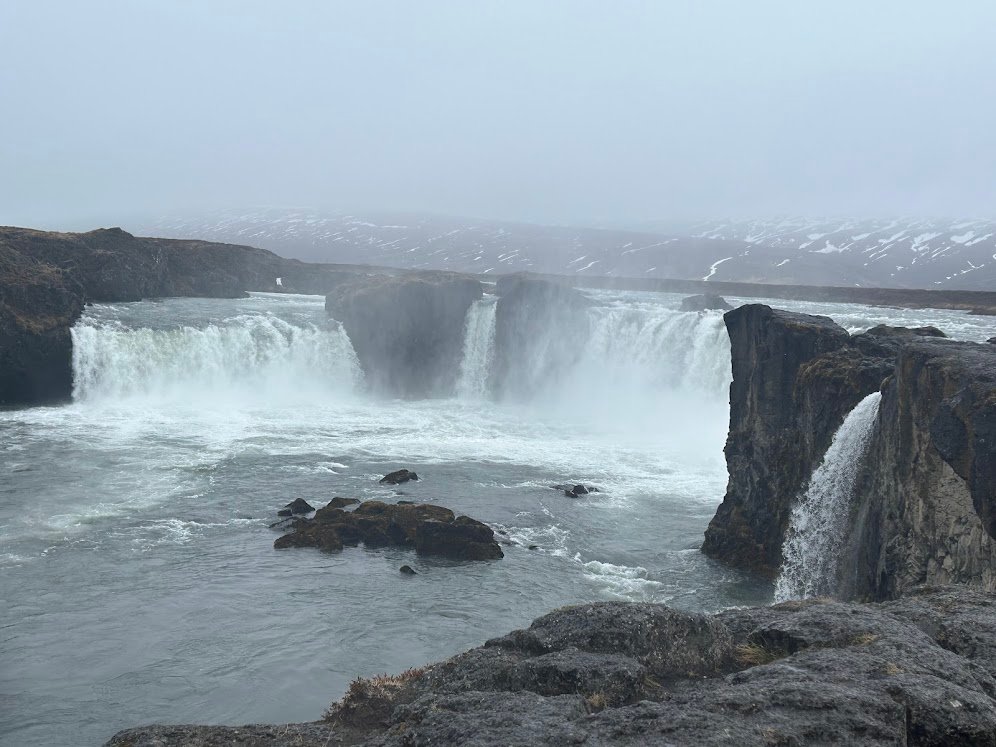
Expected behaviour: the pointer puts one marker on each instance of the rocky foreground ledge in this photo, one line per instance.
(917, 671)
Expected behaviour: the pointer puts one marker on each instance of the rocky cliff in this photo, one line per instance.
(407, 330)
(924, 498)
(925, 508)
(918, 671)
(46, 279)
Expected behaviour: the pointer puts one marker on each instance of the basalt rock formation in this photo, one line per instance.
(46, 279)
(428, 529)
(541, 329)
(39, 302)
(919, 671)
(926, 496)
(407, 330)
(924, 500)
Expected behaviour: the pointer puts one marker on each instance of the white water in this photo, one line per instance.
(255, 356)
(478, 350)
(818, 525)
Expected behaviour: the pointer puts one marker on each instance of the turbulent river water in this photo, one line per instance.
(137, 572)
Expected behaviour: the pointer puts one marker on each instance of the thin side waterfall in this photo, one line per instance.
(818, 524)
(478, 350)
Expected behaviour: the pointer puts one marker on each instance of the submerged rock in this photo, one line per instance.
(919, 671)
(398, 477)
(428, 529)
(407, 570)
(705, 302)
(574, 491)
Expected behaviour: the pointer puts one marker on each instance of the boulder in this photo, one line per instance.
(398, 477)
(429, 529)
(298, 506)
(461, 539)
(407, 330)
(705, 302)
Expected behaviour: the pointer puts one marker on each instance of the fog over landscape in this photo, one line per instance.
(596, 114)
(398, 373)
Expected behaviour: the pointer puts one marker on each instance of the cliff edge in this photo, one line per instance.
(924, 501)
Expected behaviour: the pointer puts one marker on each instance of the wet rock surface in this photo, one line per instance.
(296, 507)
(924, 499)
(398, 477)
(407, 330)
(918, 671)
(426, 528)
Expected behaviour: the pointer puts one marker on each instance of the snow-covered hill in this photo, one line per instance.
(903, 253)
(906, 254)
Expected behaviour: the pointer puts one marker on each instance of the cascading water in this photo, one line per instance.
(652, 346)
(817, 527)
(247, 355)
(478, 350)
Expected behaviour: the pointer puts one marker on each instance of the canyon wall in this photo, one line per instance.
(923, 509)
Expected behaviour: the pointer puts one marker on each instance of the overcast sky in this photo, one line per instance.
(584, 112)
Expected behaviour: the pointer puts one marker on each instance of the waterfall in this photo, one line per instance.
(246, 356)
(642, 346)
(818, 524)
(478, 350)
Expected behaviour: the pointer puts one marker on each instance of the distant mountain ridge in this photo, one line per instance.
(943, 255)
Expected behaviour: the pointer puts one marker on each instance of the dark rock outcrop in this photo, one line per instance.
(705, 302)
(920, 671)
(46, 278)
(39, 302)
(461, 539)
(775, 439)
(295, 507)
(917, 517)
(575, 490)
(339, 502)
(541, 329)
(926, 506)
(428, 529)
(407, 330)
(398, 477)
